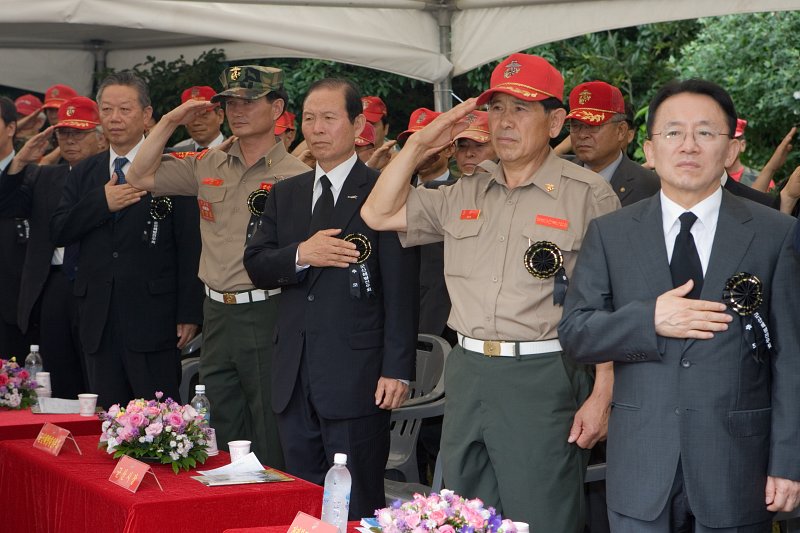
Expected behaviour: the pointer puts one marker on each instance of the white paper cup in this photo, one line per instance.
(212, 443)
(43, 380)
(88, 403)
(238, 449)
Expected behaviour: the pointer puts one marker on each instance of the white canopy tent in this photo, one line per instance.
(43, 42)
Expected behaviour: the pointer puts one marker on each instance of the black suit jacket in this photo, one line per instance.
(349, 342)
(34, 194)
(12, 257)
(750, 193)
(632, 182)
(154, 287)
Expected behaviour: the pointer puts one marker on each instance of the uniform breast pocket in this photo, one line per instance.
(550, 248)
(209, 201)
(461, 246)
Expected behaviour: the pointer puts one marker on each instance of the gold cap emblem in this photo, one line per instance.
(421, 118)
(70, 111)
(235, 72)
(584, 96)
(54, 92)
(472, 117)
(512, 68)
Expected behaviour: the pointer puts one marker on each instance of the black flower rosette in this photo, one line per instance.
(360, 281)
(743, 294)
(256, 203)
(160, 208)
(544, 260)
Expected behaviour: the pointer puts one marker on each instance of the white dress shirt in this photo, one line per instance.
(703, 230)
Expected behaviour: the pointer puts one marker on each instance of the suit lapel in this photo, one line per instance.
(621, 178)
(350, 199)
(301, 198)
(647, 245)
(731, 241)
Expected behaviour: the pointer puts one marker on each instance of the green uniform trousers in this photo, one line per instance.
(505, 432)
(235, 367)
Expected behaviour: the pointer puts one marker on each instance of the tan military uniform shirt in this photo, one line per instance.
(487, 228)
(222, 183)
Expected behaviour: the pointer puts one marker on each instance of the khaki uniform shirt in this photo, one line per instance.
(494, 297)
(222, 183)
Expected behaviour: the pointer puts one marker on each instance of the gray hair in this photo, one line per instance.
(129, 79)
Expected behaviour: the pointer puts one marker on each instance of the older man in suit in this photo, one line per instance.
(598, 131)
(345, 340)
(139, 298)
(33, 191)
(692, 294)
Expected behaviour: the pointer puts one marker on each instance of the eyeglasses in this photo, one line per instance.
(702, 136)
(65, 134)
(576, 126)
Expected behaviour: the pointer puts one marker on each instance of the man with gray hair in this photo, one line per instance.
(136, 284)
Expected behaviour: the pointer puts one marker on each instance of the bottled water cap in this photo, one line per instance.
(340, 459)
(199, 388)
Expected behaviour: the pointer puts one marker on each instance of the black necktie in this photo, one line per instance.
(323, 209)
(685, 263)
(118, 164)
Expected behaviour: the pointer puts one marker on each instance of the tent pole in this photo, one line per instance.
(442, 89)
(100, 52)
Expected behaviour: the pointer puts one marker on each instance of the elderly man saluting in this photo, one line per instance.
(519, 414)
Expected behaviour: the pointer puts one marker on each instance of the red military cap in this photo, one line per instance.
(527, 77)
(367, 135)
(57, 95)
(285, 122)
(419, 119)
(595, 102)
(741, 124)
(477, 127)
(198, 92)
(27, 104)
(374, 108)
(80, 113)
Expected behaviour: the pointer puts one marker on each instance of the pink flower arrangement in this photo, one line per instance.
(151, 429)
(443, 512)
(17, 390)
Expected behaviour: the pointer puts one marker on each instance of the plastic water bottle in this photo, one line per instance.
(201, 404)
(336, 495)
(33, 363)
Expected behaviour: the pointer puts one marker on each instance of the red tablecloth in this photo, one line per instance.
(23, 424)
(71, 493)
(351, 528)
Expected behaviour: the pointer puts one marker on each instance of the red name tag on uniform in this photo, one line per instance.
(214, 182)
(51, 439)
(558, 223)
(265, 186)
(470, 214)
(206, 211)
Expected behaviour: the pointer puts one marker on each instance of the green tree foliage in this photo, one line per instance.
(753, 57)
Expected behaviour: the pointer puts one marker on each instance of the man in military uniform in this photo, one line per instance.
(231, 190)
(519, 414)
(598, 129)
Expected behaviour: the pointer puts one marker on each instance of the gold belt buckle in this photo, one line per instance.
(229, 297)
(491, 348)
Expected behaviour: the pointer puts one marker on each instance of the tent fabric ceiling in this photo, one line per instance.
(55, 41)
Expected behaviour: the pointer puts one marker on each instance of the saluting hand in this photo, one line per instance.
(687, 318)
(119, 197)
(189, 111)
(442, 130)
(391, 393)
(381, 156)
(323, 249)
(32, 151)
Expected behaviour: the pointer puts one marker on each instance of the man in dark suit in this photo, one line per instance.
(704, 423)
(598, 131)
(13, 243)
(32, 191)
(139, 298)
(345, 341)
